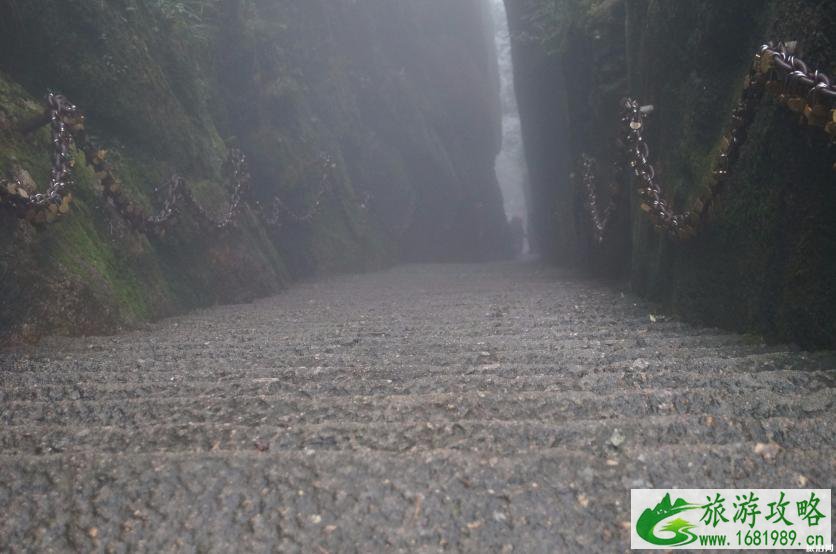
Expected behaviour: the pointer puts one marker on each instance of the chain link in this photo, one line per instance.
(280, 213)
(55, 201)
(68, 129)
(600, 218)
(777, 71)
(172, 195)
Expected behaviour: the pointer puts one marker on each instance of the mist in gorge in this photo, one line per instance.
(460, 276)
(511, 168)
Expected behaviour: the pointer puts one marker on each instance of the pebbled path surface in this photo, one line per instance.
(431, 408)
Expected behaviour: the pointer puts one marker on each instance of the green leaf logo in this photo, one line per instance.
(681, 529)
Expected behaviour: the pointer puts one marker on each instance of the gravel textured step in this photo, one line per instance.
(296, 408)
(822, 366)
(429, 408)
(479, 435)
(364, 501)
(417, 381)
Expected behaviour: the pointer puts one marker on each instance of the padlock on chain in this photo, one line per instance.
(817, 111)
(830, 128)
(795, 92)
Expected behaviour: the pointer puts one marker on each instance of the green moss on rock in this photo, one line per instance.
(168, 91)
(765, 261)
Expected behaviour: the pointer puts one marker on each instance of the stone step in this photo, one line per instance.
(604, 437)
(143, 370)
(357, 381)
(337, 343)
(360, 414)
(301, 408)
(372, 500)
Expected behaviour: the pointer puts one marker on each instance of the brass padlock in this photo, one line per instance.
(765, 61)
(817, 115)
(817, 112)
(830, 128)
(65, 204)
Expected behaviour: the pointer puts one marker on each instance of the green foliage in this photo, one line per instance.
(194, 12)
(551, 23)
(198, 18)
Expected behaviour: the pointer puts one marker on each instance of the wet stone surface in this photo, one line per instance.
(433, 408)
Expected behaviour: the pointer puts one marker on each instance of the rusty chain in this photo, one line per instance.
(172, 195)
(777, 71)
(280, 213)
(55, 201)
(600, 218)
(68, 129)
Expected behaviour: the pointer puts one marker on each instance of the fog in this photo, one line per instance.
(510, 163)
(267, 282)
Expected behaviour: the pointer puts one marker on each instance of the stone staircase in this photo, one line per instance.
(429, 408)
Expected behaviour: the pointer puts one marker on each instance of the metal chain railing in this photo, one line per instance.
(600, 218)
(67, 124)
(173, 196)
(777, 71)
(280, 213)
(55, 200)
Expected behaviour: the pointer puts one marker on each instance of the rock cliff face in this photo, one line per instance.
(766, 259)
(402, 97)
